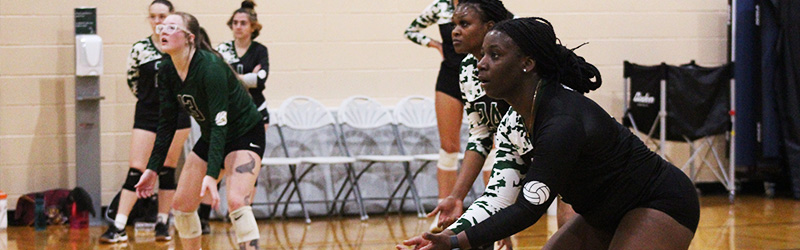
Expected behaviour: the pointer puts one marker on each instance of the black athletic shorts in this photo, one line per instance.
(264, 112)
(146, 118)
(254, 140)
(447, 81)
(677, 197)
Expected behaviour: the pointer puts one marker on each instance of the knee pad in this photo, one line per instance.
(166, 179)
(132, 179)
(447, 161)
(489, 163)
(187, 224)
(244, 224)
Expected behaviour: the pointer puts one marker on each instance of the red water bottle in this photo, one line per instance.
(78, 219)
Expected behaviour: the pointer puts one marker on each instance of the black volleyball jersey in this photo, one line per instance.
(581, 152)
(143, 62)
(212, 95)
(257, 54)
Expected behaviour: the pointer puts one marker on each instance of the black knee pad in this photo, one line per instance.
(166, 179)
(133, 178)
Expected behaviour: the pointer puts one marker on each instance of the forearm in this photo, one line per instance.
(470, 169)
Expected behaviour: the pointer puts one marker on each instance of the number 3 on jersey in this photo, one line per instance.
(191, 107)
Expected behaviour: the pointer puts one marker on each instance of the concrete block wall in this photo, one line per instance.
(328, 50)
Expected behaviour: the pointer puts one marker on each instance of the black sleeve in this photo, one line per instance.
(167, 124)
(556, 149)
(263, 60)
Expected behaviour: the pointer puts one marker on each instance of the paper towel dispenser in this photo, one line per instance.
(88, 55)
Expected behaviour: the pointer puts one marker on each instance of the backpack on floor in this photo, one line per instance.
(145, 210)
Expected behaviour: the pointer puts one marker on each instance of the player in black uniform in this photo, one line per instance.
(250, 60)
(449, 106)
(143, 63)
(197, 80)
(626, 196)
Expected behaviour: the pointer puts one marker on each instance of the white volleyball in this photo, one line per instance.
(536, 192)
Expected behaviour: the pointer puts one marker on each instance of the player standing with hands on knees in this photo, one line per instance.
(199, 81)
(143, 63)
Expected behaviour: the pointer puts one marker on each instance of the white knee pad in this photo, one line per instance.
(244, 224)
(447, 161)
(187, 224)
(489, 163)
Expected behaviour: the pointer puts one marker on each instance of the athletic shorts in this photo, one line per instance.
(146, 117)
(447, 81)
(264, 112)
(676, 196)
(254, 140)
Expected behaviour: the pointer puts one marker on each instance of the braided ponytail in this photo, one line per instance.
(536, 38)
(489, 10)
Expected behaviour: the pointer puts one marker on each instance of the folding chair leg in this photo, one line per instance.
(414, 194)
(351, 175)
(413, 177)
(293, 180)
(302, 205)
(391, 197)
(347, 195)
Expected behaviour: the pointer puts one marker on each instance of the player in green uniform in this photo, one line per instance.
(198, 80)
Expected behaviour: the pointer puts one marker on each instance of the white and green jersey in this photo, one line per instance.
(439, 12)
(483, 112)
(507, 174)
(143, 62)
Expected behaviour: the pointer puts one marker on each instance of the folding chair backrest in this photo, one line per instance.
(308, 128)
(302, 112)
(363, 113)
(367, 127)
(415, 112)
(416, 119)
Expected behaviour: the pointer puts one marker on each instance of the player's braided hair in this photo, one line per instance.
(554, 62)
(489, 10)
(248, 7)
(164, 2)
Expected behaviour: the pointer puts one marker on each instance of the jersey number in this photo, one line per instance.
(489, 115)
(191, 107)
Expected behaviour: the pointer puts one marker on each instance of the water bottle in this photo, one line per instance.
(3, 210)
(40, 221)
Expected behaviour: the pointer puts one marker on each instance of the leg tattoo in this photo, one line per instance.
(253, 243)
(247, 199)
(247, 167)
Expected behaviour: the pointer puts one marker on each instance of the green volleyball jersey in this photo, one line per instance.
(212, 95)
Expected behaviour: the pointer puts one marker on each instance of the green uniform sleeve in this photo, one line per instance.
(216, 84)
(167, 124)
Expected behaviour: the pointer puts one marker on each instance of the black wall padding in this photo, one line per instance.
(698, 101)
(788, 86)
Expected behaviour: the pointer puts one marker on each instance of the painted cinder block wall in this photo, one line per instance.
(328, 50)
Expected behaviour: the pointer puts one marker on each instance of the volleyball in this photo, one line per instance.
(536, 192)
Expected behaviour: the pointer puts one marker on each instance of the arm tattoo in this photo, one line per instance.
(247, 167)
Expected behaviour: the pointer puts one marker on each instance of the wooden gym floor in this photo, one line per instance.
(752, 222)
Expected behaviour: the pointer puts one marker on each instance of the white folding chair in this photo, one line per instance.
(304, 113)
(363, 114)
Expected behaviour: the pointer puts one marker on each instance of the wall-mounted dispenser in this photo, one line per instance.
(88, 55)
